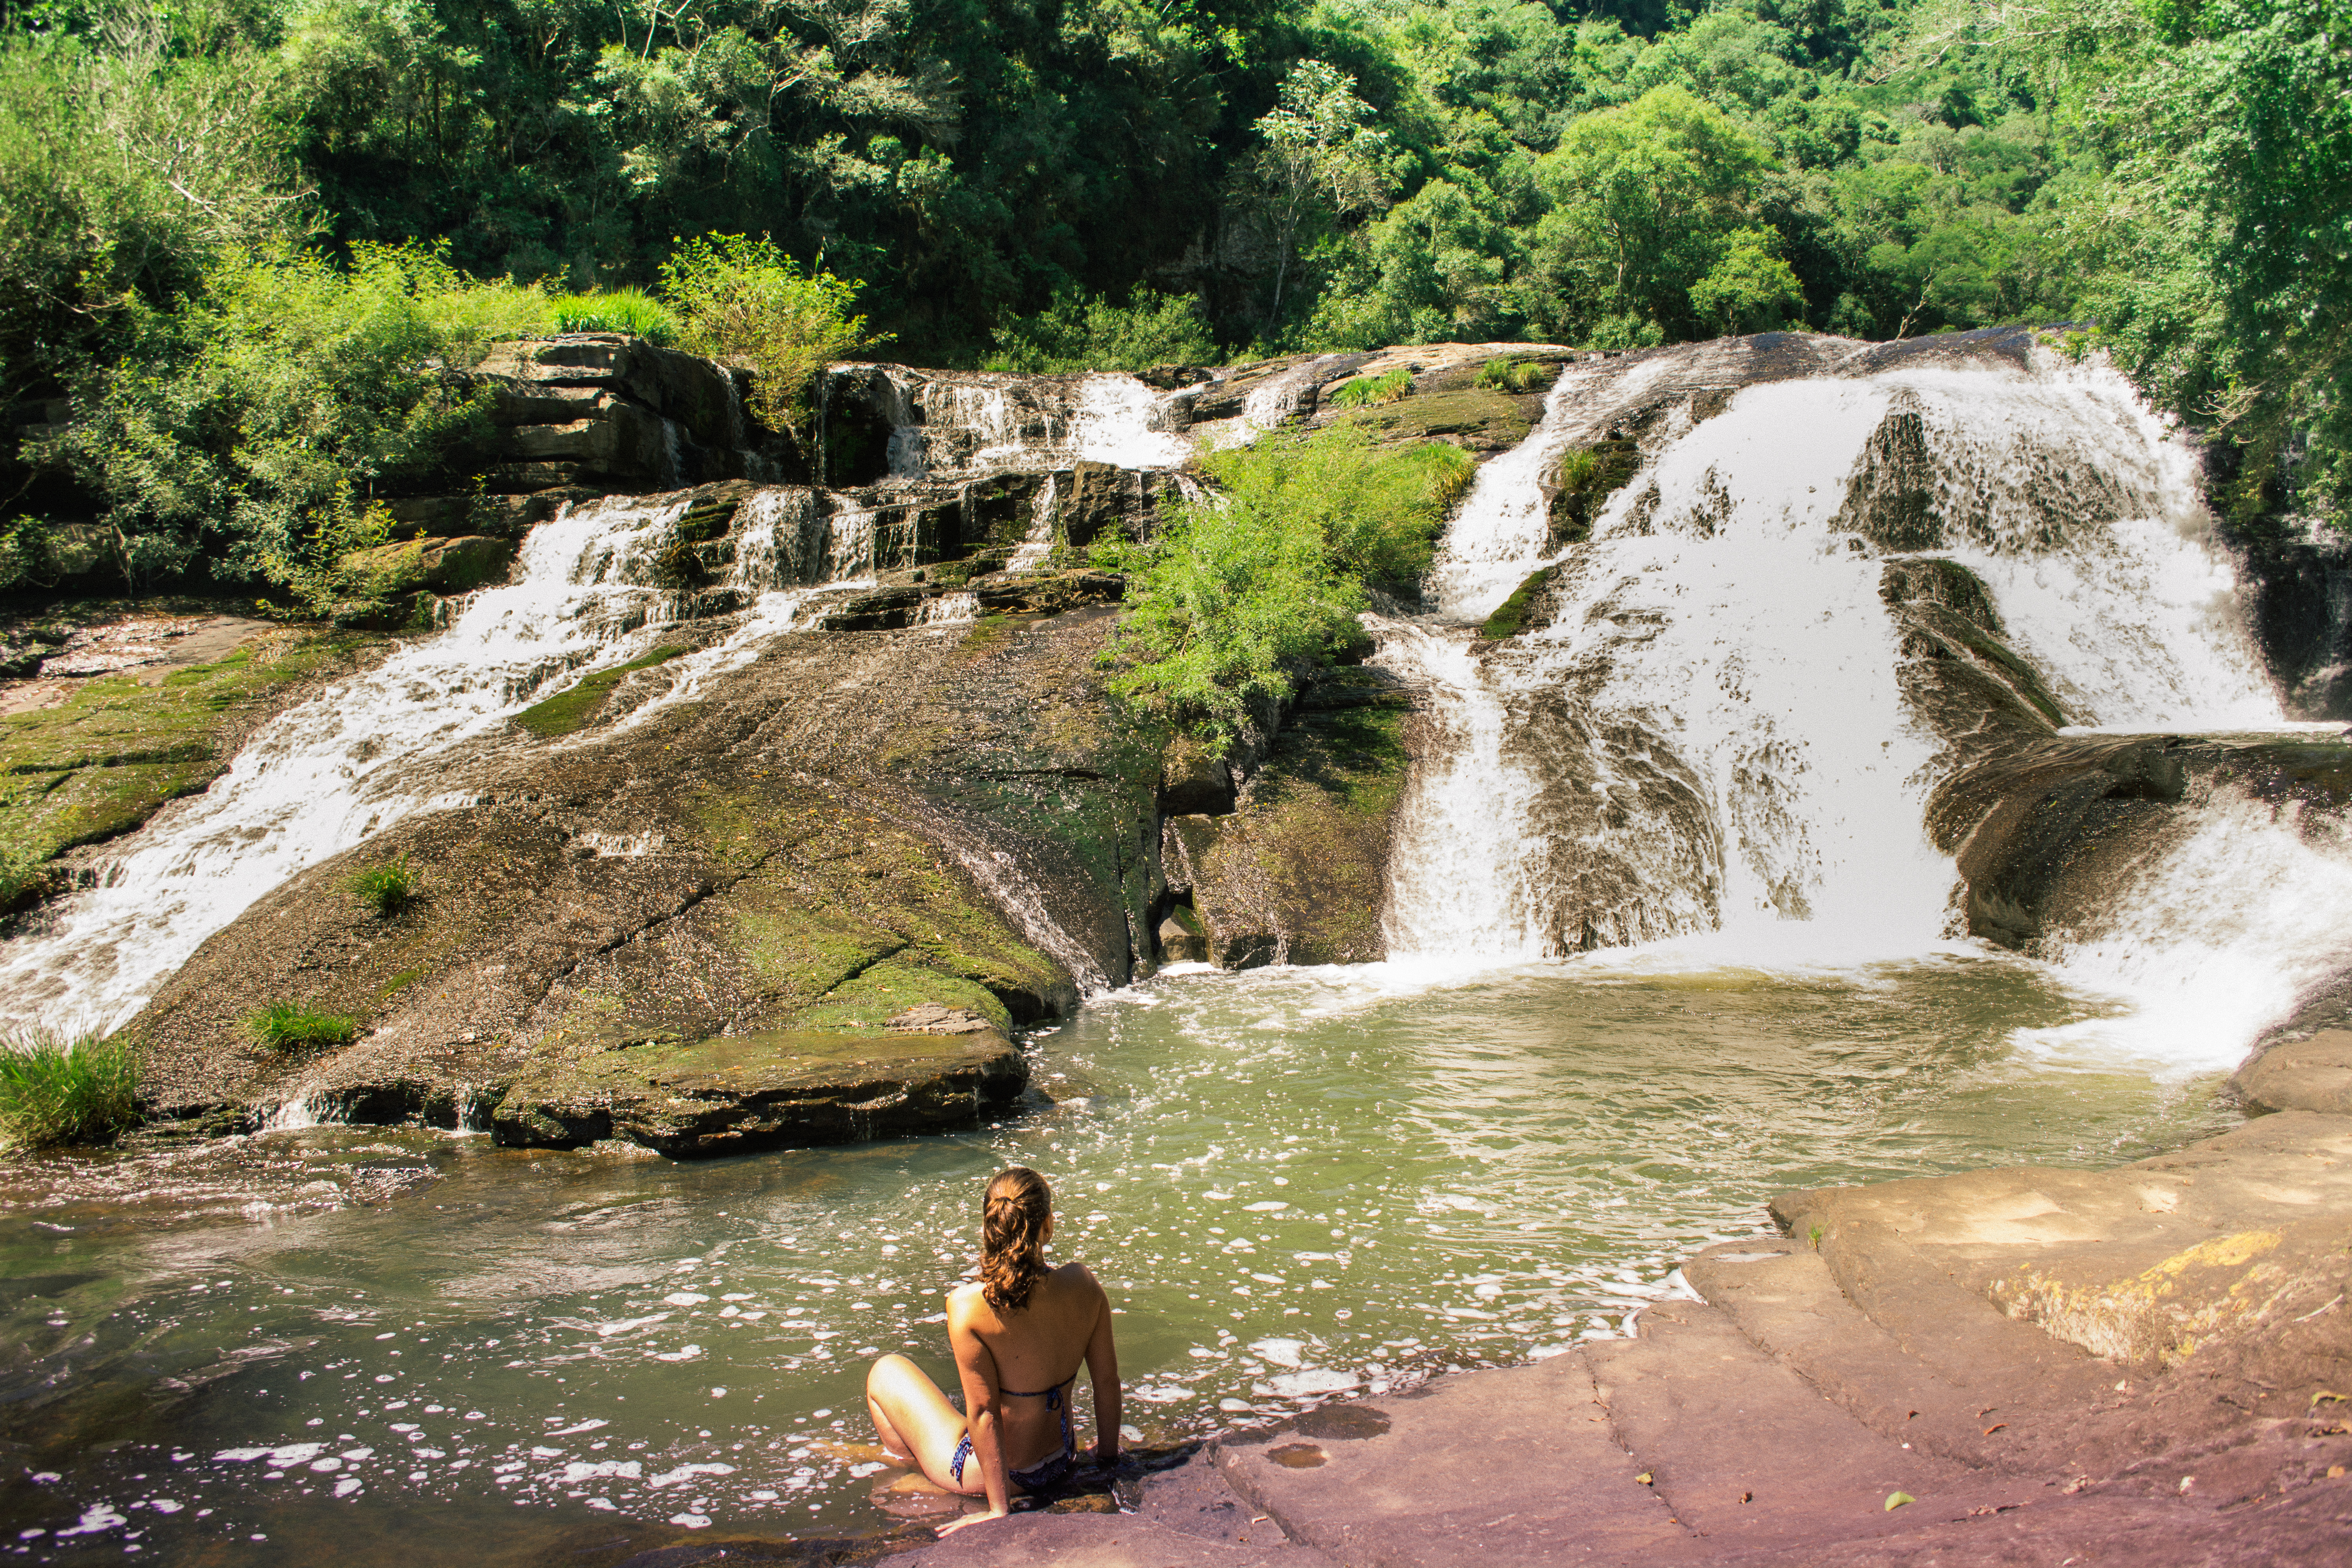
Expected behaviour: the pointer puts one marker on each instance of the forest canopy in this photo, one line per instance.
(1058, 184)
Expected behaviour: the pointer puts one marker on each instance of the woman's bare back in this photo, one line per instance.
(1034, 1352)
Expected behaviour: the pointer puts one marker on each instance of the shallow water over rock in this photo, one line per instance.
(1294, 1182)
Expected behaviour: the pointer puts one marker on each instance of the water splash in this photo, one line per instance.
(2214, 937)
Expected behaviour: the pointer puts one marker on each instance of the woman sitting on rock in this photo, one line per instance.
(1018, 1336)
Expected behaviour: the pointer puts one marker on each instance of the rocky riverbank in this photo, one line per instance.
(2151, 1364)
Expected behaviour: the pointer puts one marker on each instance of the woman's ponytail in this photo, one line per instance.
(1015, 1219)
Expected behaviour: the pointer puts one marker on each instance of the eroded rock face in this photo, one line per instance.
(2046, 834)
(848, 830)
(1296, 872)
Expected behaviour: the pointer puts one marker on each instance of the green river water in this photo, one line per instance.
(380, 1346)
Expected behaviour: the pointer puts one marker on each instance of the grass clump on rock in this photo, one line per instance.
(55, 1090)
(1511, 615)
(1514, 374)
(1241, 593)
(285, 1027)
(1369, 391)
(387, 890)
(614, 311)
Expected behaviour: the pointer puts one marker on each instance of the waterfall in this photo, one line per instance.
(346, 764)
(1699, 733)
(1039, 542)
(972, 427)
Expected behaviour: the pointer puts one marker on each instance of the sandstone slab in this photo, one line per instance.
(735, 1095)
(2301, 1075)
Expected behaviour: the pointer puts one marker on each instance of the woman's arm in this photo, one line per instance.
(984, 1414)
(1102, 1371)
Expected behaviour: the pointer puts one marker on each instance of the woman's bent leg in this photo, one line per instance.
(915, 1423)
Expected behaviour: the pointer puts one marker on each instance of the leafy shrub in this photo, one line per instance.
(617, 311)
(1368, 391)
(290, 1026)
(744, 300)
(1515, 374)
(253, 422)
(1076, 333)
(386, 890)
(55, 1091)
(1242, 593)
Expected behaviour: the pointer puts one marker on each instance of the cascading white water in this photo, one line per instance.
(971, 428)
(348, 763)
(949, 610)
(1703, 736)
(1039, 542)
(1121, 421)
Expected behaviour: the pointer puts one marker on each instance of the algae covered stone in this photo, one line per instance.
(773, 1090)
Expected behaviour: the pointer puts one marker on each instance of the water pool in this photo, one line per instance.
(363, 1341)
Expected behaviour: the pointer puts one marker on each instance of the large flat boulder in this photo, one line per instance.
(780, 1089)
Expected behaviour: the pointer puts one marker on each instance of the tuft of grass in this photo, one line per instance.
(58, 1089)
(290, 1026)
(616, 310)
(387, 890)
(1367, 391)
(1514, 374)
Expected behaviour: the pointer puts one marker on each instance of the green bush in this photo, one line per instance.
(290, 1026)
(56, 1090)
(1241, 593)
(616, 310)
(253, 422)
(387, 890)
(1077, 334)
(1368, 391)
(744, 300)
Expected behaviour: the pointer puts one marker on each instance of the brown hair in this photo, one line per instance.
(1014, 1220)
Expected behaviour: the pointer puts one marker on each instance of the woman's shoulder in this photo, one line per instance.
(1075, 1276)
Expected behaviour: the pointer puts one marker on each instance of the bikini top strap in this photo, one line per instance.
(1052, 1397)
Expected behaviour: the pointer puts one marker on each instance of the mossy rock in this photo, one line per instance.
(766, 1090)
(1511, 616)
(569, 711)
(1482, 418)
(1580, 484)
(1298, 872)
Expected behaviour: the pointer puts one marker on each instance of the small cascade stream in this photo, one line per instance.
(348, 763)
